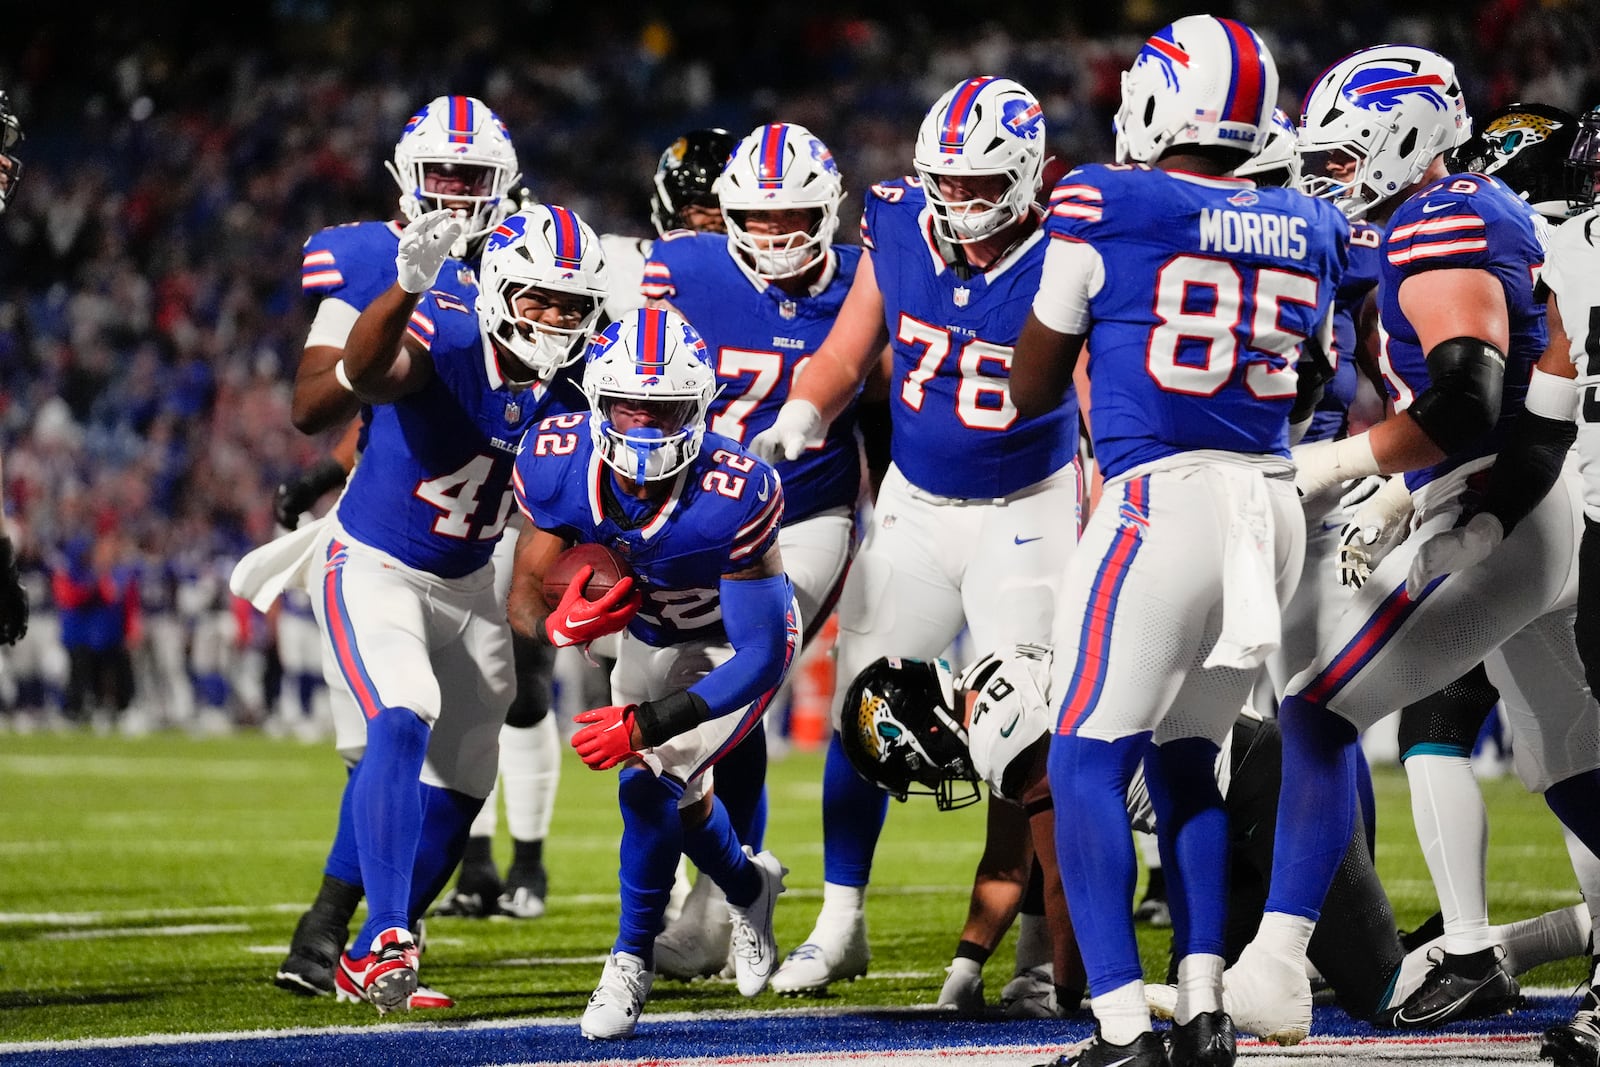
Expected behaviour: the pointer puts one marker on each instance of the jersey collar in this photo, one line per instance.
(599, 471)
(830, 267)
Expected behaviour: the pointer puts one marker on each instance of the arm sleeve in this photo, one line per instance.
(755, 612)
(1073, 274)
(1529, 464)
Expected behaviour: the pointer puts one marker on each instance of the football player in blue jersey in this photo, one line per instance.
(1461, 331)
(763, 298)
(1194, 292)
(453, 153)
(975, 517)
(406, 600)
(711, 627)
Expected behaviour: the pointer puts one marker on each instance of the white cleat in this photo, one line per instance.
(1162, 1000)
(833, 953)
(962, 991)
(699, 942)
(1269, 996)
(755, 946)
(618, 1001)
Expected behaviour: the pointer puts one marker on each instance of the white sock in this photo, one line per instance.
(484, 823)
(1285, 936)
(1034, 948)
(1199, 985)
(965, 965)
(1122, 1013)
(1149, 850)
(1555, 935)
(841, 903)
(530, 770)
(1453, 829)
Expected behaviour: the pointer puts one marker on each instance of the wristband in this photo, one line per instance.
(661, 720)
(341, 377)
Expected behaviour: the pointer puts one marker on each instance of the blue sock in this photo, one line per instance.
(1089, 781)
(652, 841)
(308, 686)
(1369, 802)
(1576, 802)
(853, 812)
(446, 820)
(1316, 806)
(387, 809)
(742, 786)
(713, 847)
(1192, 829)
(344, 858)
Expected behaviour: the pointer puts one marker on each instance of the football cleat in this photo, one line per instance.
(754, 945)
(962, 991)
(833, 953)
(424, 999)
(525, 892)
(1576, 1043)
(476, 894)
(1207, 1040)
(1146, 1050)
(386, 976)
(314, 953)
(1269, 996)
(1030, 995)
(1457, 987)
(700, 941)
(618, 1001)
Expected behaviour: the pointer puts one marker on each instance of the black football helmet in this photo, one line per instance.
(10, 134)
(901, 731)
(1584, 157)
(685, 174)
(1526, 146)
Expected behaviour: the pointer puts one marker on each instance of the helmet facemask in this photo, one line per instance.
(540, 346)
(983, 127)
(649, 386)
(1584, 157)
(779, 256)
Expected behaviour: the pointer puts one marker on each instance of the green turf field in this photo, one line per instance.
(150, 886)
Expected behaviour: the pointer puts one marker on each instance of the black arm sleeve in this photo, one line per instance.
(1527, 466)
(1312, 373)
(661, 720)
(1463, 401)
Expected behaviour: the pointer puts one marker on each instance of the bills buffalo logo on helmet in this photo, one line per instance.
(1385, 88)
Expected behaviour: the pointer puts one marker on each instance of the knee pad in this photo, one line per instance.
(1447, 722)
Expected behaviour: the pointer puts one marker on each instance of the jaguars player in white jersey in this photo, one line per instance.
(13, 598)
(975, 518)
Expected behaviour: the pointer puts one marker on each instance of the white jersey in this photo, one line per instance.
(625, 258)
(1013, 710)
(1572, 271)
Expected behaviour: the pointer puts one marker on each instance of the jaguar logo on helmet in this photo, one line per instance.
(1385, 88)
(871, 717)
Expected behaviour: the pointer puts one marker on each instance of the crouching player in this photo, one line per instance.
(711, 627)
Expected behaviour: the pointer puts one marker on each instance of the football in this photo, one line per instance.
(609, 569)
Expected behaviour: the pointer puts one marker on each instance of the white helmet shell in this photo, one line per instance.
(1279, 162)
(1392, 110)
(460, 133)
(546, 248)
(982, 126)
(654, 360)
(1200, 81)
(778, 167)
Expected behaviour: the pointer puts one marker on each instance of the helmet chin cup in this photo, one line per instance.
(653, 361)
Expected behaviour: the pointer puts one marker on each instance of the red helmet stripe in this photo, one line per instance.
(569, 239)
(1249, 80)
(650, 351)
(955, 119)
(461, 120)
(773, 138)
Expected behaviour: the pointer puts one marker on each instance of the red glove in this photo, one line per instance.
(578, 620)
(607, 740)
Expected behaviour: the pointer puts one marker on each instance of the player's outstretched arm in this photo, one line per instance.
(321, 401)
(381, 361)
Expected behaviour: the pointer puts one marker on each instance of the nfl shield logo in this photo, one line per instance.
(513, 412)
(788, 309)
(962, 294)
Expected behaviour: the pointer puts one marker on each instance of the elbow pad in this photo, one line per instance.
(1463, 401)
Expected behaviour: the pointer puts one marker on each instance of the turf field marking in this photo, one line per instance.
(189, 930)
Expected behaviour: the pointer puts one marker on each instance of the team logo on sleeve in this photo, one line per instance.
(1244, 198)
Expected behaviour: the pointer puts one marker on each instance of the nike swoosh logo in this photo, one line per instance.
(1024, 541)
(1119, 1063)
(763, 492)
(1012, 725)
(1428, 209)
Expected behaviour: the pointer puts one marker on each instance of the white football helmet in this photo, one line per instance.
(545, 248)
(1200, 81)
(1390, 111)
(781, 166)
(982, 126)
(1279, 162)
(652, 363)
(460, 135)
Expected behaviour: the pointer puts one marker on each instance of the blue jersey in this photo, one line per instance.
(955, 431)
(1210, 287)
(721, 517)
(433, 485)
(757, 337)
(1471, 222)
(1360, 278)
(355, 263)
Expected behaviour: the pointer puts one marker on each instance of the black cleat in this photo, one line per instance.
(1146, 1050)
(525, 892)
(313, 953)
(1207, 1040)
(1577, 1043)
(476, 895)
(1458, 987)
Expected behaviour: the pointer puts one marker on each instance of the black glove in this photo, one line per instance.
(13, 598)
(298, 494)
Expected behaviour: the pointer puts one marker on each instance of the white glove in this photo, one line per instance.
(424, 246)
(1372, 528)
(1454, 550)
(1322, 464)
(1359, 491)
(798, 426)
